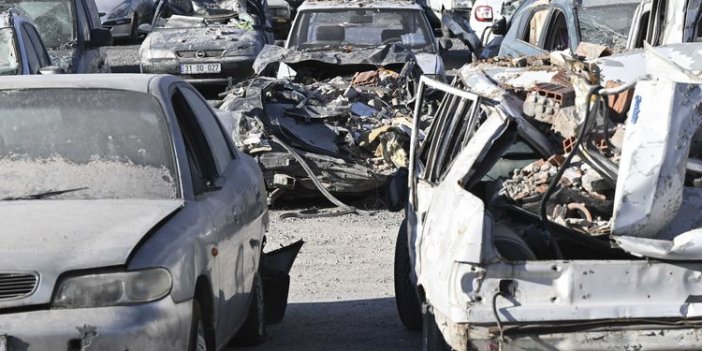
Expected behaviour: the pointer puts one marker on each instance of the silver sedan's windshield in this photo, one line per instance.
(8, 55)
(361, 28)
(54, 19)
(108, 144)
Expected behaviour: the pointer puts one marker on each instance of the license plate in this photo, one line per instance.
(200, 68)
(3, 343)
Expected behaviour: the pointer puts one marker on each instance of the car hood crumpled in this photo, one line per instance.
(206, 38)
(377, 56)
(55, 236)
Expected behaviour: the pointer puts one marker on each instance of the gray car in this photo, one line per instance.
(71, 30)
(543, 26)
(21, 49)
(130, 221)
(206, 42)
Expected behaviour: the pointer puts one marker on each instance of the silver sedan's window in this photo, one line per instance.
(8, 55)
(359, 27)
(607, 25)
(53, 18)
(116, 144)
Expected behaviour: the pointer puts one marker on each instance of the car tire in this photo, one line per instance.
(408, 306)
(432, 339)
(253, 332)
(134, 32)
(199, 340)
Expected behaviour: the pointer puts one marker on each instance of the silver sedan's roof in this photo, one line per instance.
(131, 82)
(341, 4)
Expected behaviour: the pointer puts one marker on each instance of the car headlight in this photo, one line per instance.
(113, 289)
(120, 11)
(154, 53)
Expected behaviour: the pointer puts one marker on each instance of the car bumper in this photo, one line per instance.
(650, 338)
(161, 325)
(238, 68)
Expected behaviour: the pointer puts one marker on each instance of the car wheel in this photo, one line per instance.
(406, 299)
(253, 332)
(134, 32)
(432, 339)
(198, 334)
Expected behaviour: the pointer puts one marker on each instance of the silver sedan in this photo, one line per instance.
(129, 219)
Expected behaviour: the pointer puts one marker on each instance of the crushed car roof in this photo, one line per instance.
(317, 5)
(132, 82)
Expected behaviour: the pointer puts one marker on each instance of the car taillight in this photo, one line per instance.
(483, 13)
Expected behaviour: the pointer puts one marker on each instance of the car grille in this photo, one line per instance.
(203, 53)
(14, 285)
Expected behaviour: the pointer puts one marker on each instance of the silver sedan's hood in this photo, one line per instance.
(51, 237)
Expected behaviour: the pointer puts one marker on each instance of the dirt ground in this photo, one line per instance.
(341, 292)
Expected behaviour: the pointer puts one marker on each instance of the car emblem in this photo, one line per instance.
(200, 54)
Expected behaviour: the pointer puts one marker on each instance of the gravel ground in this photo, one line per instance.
(341, 294)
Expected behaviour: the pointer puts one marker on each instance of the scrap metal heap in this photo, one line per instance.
(606, 163)
(351, 132)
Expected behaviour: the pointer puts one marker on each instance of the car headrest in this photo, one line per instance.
(331, 33)
(391, 33)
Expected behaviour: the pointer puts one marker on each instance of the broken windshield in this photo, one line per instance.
(361, 28)
(115, 144)
(54, 19)
(202, 13)
(607, 25)
(8, 55)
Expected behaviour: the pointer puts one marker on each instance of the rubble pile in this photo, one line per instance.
(584, 195)
(367, 115)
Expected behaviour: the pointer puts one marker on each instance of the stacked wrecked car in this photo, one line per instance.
(553, 203)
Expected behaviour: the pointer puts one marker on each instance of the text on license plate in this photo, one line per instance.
(200, 68)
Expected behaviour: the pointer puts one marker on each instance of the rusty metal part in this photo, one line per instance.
(581, 209)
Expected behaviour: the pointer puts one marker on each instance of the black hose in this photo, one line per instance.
(497, 317)
(556, 179)
(346, 209)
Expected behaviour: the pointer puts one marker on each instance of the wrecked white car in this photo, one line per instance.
(556, 207)
(206, 42)
(129, 220)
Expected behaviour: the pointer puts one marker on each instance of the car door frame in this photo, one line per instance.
(239, 237)
(514, 44)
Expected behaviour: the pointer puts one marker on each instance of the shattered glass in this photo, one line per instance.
(54, 19)
(607, 25)
(114, 143)
(8, 57)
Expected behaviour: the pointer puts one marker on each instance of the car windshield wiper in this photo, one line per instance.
(43, 195)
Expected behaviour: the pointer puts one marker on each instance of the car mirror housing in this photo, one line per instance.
(100, 37)
(145, 28)
(499, 27)
(445, 44)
